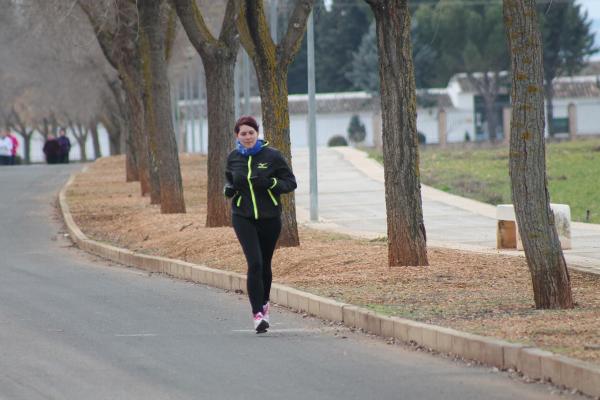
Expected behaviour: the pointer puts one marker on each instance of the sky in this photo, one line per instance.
(593, 9)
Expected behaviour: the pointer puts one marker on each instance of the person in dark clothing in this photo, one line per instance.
(256, 175)
(52, 150)
(65, 146)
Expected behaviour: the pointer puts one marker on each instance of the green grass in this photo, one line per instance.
(573, 170)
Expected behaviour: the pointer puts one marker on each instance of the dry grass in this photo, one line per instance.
(484, 294)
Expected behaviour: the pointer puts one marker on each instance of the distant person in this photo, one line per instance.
(65, 146)
(256, 176)
(52, 150)
(6, 147)
(15, 143)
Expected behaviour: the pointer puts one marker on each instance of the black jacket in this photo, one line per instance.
(254, 183)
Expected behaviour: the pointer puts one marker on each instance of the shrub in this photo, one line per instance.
(356, 130)
(422, 138)
(337, 140)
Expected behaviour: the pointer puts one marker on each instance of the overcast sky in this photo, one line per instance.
(593, 8)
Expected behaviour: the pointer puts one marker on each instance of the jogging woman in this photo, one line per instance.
(256, 176)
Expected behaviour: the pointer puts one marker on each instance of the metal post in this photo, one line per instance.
(200, 110)
(236, 90)
(191, 108)
(178, 116)
(312, 120)
(246, 79)
(186, 114)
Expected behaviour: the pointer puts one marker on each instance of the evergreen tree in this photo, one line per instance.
(567, 44)
(356, 130)
(338, 33)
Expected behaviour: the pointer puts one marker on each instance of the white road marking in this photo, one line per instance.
(137, 335)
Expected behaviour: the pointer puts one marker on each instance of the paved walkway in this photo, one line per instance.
(352, 200)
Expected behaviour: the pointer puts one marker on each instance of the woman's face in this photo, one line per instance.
(247, 136)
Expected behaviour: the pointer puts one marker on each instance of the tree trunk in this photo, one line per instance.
(137, 146)
(406, 231)
(549, 93)
(82, 150)
(218, 57)
(95, 139)
(27, 148)
(221, 119)
(271, 62)
(535, 220)
(276, 128)
(157, 100)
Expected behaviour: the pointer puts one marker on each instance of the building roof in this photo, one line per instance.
(577, 87)
(466, 85)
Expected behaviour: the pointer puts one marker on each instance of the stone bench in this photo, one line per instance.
(507, 234)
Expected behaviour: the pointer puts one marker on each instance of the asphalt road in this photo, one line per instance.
(76, 327)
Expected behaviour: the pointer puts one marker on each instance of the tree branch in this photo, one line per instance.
(193, 22)
(295, 32)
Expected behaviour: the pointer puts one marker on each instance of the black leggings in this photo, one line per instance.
(258, 239)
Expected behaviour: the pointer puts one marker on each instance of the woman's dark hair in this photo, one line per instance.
(245, 120)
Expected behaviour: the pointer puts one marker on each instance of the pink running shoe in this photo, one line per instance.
(260, 324)
(265, 312)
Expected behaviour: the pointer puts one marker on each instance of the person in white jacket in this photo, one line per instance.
(6, 147)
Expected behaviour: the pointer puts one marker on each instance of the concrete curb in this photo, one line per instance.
(533, 362)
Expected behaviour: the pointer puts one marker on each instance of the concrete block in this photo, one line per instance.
(362, 318)
(331, 310)
(429, 333)
(303, 302)
(581, 376)
(466, 345)
(551, 366)
(511, 355)
(415, 332)
(196, 275)
(314, 303)
(349, 316)
(281, 295)
(387, 327)
(444, 340)
(293, 300)
(492, 352)
(530, 362)
(401, 329)
(374, 323)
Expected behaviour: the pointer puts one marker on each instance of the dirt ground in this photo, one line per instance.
(484, 294)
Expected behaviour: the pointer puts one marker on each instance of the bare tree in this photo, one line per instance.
(218, 57)
(271, 62)
(155, 20)
(116, 29)
(406, 231)
(535, 220)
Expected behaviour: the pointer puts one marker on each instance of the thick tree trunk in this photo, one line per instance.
(137, 148)
(157, 100)
(221, 118)
(549, 93)
(218, 57)
(272, 84)
(26, 148)
(95, 139)
(535, 220)
(406, 231)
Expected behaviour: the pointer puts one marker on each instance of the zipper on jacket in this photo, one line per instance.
(251, 188)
